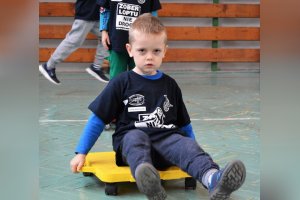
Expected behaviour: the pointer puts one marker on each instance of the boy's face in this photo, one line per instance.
(147, 50)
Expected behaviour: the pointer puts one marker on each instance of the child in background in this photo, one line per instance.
(153, 128)
(116, 18)
(86, 20)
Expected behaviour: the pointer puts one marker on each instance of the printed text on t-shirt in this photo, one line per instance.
(126, 15)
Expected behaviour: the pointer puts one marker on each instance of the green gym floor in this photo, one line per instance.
(225, 113)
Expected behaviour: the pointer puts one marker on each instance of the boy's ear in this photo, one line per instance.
(166, 47)
(128, 47)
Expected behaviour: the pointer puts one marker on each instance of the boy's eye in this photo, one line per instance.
(157, 51)
(141, 50)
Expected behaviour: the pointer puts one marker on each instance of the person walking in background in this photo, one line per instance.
(86, 20)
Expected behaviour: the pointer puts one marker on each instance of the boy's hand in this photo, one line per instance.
(105, 39)
(77, 162)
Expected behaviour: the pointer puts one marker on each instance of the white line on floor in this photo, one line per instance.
(61, 120)
(227, 119)
(193, 119)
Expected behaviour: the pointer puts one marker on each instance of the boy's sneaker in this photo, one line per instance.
(97, 73)
(227, 180)
(148, 181)
(49, 73)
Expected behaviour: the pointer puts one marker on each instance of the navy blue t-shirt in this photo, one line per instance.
(122, 15)
(154, 106)
(87, 10)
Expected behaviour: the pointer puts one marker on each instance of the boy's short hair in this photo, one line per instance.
(146, 23)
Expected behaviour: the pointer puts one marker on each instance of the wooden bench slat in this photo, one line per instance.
(213, 33)
(57, 32)
(66, 9)
(212, 55)
(56, 9)
(209, 10)
(174, 33)
(173, 55)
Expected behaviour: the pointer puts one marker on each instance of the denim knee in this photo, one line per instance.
(135, 137)
(136, 148)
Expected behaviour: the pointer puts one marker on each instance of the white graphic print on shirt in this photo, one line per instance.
(126, 15)
(167, 104)
(136, 100)
(156, 118)
(141, 1)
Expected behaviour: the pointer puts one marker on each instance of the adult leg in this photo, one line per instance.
(95, 69)
(72, 41)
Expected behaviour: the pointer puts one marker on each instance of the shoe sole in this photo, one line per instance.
(148, 182)
(88, 70)
(232, 179)
(46, 75)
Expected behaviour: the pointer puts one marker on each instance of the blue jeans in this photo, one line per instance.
(175, 149)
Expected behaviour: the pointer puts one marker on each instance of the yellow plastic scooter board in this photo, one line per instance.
(103, 166)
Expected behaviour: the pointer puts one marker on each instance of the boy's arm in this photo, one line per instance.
(77, 163)
(155, 5)
(154, 13)
(183, 119)
(91, 133)
(104, 19)
(188, 130)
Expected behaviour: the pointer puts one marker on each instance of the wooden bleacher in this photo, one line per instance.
(186, 33)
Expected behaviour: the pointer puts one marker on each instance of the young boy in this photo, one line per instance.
(86, 20)
(153, 126)
(116, 18)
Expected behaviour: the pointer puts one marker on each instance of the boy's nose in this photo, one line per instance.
(149, 56)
